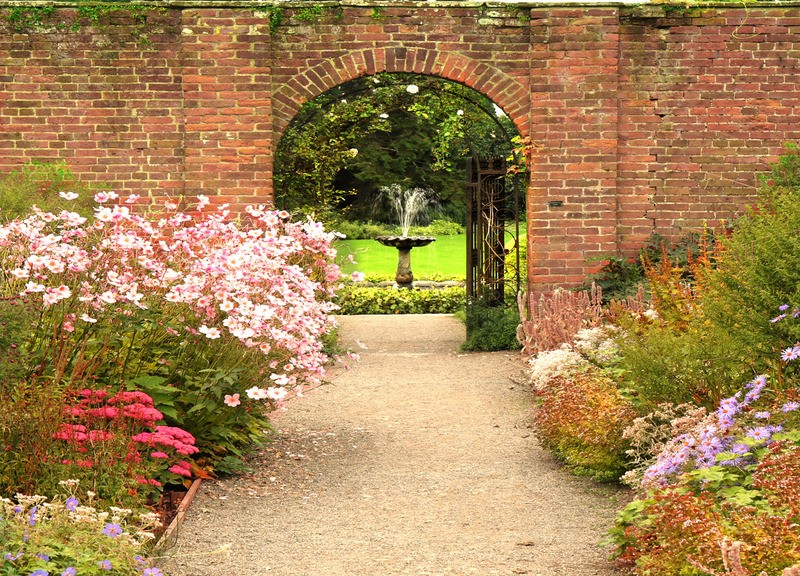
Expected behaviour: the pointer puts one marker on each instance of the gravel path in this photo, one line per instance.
(418, 461)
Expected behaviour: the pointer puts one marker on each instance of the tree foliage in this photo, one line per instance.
(380, 130)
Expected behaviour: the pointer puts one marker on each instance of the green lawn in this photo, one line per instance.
(447, 257)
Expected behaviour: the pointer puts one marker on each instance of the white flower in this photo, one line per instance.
(384, 115)
(551, 363)
(211, 333)
(412, 89)
(256, 393)
(459, 112)
(68, 195)
(277, 393)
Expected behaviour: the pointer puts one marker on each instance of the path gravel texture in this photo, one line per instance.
(417, 461)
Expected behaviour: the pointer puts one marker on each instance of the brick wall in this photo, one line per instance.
(643, 118)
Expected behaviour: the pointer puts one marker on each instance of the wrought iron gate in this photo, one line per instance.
(492, 230)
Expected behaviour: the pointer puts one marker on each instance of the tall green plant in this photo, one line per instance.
(759, 269)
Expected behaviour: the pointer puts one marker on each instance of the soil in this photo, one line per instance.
(417, 461)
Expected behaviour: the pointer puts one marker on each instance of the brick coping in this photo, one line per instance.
(255, 4)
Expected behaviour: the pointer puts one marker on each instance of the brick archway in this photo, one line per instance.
(502, 89)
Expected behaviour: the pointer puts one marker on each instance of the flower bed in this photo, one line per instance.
(148, 346)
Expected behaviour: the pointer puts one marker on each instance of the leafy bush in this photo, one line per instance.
(759, 270)
(216, 323)
(581, 417)
(734, 476)
(490, 328)
(44, 185)
(355, 230)
(661, 363)
(372, 300)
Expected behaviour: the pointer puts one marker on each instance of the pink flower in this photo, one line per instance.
(68, 195)
(232, 400)
(182, 468)
(158, 455)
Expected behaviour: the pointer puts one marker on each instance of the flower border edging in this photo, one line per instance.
(171, 533)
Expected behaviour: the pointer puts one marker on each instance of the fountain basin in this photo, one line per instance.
(405, 242)
(404, 277)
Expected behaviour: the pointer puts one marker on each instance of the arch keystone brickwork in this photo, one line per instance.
(642, 119)
(506, 92)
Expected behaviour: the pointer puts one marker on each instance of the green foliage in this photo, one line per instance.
(665, 363)
(39, 184)
(759, 269)
(25, 18)
(355, 230)
(310, 14)
(369, 300)
(194, 401)
(413, 138)
(491, 328)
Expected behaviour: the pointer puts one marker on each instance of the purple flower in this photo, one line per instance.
(11, 558)
(783, 307)
(105, 564)
(112, 530)
(790, 407)
(762, 433)
(70, 571)
(778, 318)
(758, 382)
(790, 354)
(40, 573)
(152, 572)
(796, 313)
(44, 557)
(71, 504)
(740, 448)
(32, 519)
(762, 415)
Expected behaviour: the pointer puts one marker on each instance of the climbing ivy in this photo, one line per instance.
(25, 19)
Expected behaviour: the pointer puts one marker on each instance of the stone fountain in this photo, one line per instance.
(407, 204)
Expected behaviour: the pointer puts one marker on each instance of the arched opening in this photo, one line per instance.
(349, 151)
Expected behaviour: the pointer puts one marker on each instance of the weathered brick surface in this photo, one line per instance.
(643, 119)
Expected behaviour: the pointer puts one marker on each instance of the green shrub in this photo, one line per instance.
(356, 230)
(40, 184)
(662, 363)
(491, 328)
(759, 268)
(370, 300)
(511, 269)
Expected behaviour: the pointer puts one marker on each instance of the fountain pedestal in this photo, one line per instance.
(404, 277)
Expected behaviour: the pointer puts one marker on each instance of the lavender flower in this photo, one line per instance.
(790, 354)
(71, 504)
(112, 530)
(790, 407)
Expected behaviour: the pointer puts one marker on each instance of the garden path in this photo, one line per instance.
(417, 461)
